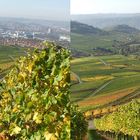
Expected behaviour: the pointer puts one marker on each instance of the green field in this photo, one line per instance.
(105, 79)
(87, 43)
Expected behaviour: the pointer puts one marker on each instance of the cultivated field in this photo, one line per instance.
(105, 80)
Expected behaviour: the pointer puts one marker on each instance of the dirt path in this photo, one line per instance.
(91, 125)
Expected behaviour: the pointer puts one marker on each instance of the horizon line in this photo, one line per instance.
(103, 13)
(33, 18)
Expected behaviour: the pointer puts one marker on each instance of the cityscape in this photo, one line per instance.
(26, 33)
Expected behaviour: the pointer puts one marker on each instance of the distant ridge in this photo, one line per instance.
(27, 22)
(107, 20)
(80, 28)
(124, 29)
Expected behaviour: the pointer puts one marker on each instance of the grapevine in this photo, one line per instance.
(126, 120)
(34, 96)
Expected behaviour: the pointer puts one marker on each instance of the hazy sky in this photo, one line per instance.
(45, 9)
(104, 6)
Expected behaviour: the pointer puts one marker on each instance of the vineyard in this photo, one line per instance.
(124, 121)
(101, 85)
(105, 78)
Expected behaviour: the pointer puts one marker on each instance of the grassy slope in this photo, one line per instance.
(86, 43)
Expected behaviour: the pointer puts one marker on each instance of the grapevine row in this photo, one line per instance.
(125, 120)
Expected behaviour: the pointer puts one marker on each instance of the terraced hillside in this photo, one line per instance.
(105, 80)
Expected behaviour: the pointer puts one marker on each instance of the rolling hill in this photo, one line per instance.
(108, 20)
(124, 29)
(80, 28)
(120, 39)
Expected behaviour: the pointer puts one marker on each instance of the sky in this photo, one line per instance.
(104, 6)
(39, 9)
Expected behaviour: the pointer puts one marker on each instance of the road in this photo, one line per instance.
(101, 60)
(100, 88)
(106, 64)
